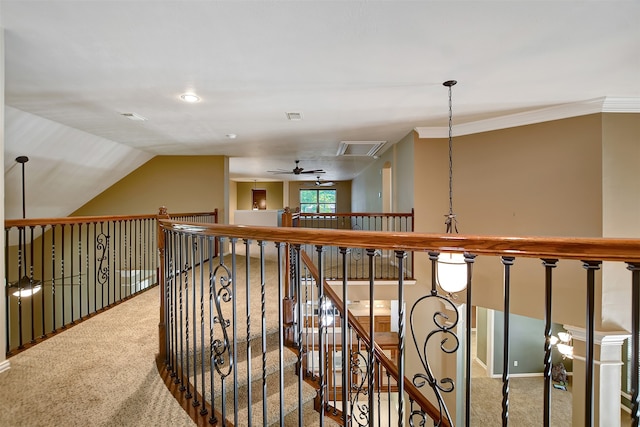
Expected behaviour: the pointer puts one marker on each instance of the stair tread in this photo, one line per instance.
(290, 407)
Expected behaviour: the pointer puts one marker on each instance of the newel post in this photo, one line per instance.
(162, 214)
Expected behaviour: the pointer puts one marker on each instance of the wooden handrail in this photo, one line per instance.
(428, 408)
(587, 249)
(34, 222)
(364, 214)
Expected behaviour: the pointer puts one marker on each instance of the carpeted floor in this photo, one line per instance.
(99, 373)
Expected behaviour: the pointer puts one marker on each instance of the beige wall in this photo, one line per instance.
(343, 187)
(402, 171)
(366, 186)
(541, 180)
(181, 183)
(274, 194)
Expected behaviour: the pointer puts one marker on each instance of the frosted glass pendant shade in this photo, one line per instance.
(452, 272)
(27, 292)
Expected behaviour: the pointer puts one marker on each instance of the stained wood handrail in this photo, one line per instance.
(34, 222)
(363, 214)
(578, 248)
(413, 392)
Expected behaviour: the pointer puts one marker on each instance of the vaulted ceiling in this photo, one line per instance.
(353, 70)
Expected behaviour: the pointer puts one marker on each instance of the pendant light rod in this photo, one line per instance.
(22, 160)
(451, 218)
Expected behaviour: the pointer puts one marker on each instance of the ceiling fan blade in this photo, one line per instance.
(297, 170)
(280, 172)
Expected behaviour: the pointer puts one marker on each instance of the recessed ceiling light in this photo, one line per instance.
(232, 136)
(190, 97)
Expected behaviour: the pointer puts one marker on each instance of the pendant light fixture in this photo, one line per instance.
(25, 286)
(451, 267)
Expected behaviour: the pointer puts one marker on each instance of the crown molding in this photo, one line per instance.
(592, 106)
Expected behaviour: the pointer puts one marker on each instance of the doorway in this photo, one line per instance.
(259, 199)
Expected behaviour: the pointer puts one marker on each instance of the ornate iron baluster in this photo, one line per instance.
(295, 263)
(508, 262)
(359, 369)
(191, 260)
(221, 284)
(247, 265)
(53, 276)
(322, 330)
(549, 265)
(42, 297)
(444, 327)
(31, 281)
(344, 325)
(62, 276)
(469, 259)
(79, 269)
(280, 331)
(591, 267)
(72, 245)
(371, 363)
(212, 419)
(102, 256)
(203, 410)
(400, 256)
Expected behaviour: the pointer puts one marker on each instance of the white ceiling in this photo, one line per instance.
(356, 70)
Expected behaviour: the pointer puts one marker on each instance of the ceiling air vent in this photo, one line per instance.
(134, 116)
(294, 116)
(359, 148)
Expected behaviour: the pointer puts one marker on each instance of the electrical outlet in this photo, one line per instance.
(515, 363)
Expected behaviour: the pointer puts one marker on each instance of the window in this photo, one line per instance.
(318, 201)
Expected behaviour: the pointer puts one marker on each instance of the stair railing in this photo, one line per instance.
(385, 266)
(60, 271)
(221, 337)
(357, 380)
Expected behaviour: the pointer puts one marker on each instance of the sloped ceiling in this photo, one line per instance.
(355, 70)
(66, 168)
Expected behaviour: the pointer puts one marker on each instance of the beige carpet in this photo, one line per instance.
(99, 373)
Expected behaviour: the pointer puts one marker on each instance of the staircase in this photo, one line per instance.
(272, 380)
(246, 406)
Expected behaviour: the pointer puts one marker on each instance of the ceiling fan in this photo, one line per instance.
(296, 171)
(320, 183)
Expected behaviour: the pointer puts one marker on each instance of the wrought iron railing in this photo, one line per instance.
(59, 271)
(358, 267)
(236, 370)
(366, 381)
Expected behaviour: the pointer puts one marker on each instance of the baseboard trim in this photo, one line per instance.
(4, 366)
